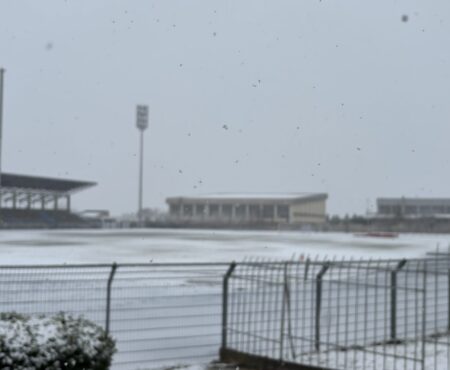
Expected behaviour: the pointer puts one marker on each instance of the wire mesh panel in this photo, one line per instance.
(436, 323)
(167, 314)
(77, 290)
(391, 314)
(255, 309)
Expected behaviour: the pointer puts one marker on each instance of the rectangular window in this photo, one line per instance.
(200, 209)
(410, 210)
(187, 209)
(385, 210)
(425, 210)
(213, 210)
(226, 210)
(439, 209)
(268, 211)
(283, 212)
(254, 212)
(174, 209)
(240, 211)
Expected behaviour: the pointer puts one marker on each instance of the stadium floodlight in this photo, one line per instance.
(142, 117)
(141, 124)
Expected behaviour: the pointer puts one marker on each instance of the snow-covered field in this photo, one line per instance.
(164, 245)
(403, 356)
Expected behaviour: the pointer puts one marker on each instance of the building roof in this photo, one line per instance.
(414, 201)
(25, 182)
(250, 197)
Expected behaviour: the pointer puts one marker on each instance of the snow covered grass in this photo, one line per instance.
(165, 245)
(158, 245)
(53, 343)
(405, 356)
(211, 366)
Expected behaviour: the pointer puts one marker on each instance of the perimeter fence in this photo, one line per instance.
(349, 315)
(313, 314)
(159, 314)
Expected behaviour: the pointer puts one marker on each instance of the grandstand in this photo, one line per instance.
(39, 202)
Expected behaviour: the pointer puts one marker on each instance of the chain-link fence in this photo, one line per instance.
(386, 314)
(159, 314)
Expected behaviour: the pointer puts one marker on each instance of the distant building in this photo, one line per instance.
(413, 207)
(250, 209)
(99, 217)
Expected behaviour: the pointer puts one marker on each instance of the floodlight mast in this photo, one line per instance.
(141, 124)
(2, 72)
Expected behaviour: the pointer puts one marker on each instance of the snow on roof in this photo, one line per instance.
(252, 196)
(258, 195)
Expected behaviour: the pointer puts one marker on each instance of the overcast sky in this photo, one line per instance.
(336, 96)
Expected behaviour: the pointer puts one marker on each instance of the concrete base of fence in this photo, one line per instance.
(261, 363)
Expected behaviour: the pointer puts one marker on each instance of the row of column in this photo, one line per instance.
(18, 197)
(253, 212)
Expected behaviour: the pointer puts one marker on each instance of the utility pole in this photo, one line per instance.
(141, 124)
(2, 72)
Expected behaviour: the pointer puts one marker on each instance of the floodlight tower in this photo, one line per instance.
(2, 72)
(141, 124)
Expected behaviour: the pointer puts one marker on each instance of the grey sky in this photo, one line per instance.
(330, 96)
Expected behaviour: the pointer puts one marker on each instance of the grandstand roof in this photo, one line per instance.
(9, 180)
(251, 197)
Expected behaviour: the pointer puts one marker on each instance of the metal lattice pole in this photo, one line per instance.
(2, 72)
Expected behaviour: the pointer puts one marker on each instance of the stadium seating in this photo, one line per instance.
(36, 218)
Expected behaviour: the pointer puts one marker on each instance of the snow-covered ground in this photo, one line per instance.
(164, 245)
(402, 356)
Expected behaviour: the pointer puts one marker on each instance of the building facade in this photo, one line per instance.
(413, 207)
(250, 209)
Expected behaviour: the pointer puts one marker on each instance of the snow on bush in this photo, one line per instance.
(53, 343)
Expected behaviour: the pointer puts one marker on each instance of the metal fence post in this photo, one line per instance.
(283, 308)
(319, 277)
(394, 298)
(448, 300)
(424, 316)
(108, 296)
(226, 278)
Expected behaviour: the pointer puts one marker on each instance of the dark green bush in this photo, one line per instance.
(60, 342)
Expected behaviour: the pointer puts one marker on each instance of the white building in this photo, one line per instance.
(251, 209)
